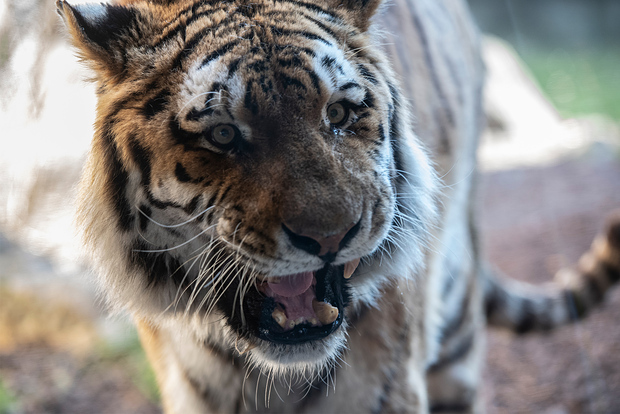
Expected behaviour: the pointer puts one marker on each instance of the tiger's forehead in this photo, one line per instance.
(249, 72)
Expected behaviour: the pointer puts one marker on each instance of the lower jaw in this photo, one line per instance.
(331, 287)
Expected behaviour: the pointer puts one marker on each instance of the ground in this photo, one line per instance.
(533, 221)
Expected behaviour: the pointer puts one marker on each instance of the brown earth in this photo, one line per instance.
(533, 222)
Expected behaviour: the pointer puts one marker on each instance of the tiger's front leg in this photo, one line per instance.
(194, 377)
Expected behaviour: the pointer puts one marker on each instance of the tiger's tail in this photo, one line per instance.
(523, 307)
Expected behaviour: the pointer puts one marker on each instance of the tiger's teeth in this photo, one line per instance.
(350, 267)
(279, 316)
(325, 312)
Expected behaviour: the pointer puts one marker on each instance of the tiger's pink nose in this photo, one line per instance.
(326, 247)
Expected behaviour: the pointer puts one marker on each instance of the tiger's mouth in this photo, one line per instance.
(295, 309)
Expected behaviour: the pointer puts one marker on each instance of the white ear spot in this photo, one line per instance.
(92, 12)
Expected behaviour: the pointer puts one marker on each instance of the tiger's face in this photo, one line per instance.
(250, 154)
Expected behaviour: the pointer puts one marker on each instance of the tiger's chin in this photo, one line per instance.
(304, 360)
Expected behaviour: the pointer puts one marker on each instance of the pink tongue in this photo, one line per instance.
(293, 285)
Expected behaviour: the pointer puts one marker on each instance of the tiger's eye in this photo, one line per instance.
(223, 135)
(337, 114)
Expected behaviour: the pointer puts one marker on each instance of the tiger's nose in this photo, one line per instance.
(324, 246)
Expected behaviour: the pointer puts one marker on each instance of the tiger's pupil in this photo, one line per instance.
(223, 134)
(336, 113)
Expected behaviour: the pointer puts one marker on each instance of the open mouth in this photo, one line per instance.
(298, 308)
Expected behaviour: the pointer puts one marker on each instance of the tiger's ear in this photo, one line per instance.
(102, 33)
(360, 11)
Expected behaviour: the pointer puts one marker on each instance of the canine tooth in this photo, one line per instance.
(350, 267)
(280, 317)
(324, 311)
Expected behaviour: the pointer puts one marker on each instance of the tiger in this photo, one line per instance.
(281, 193)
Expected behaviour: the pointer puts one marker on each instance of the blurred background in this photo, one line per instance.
(550, 172)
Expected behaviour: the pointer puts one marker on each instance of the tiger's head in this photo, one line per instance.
(253, 175)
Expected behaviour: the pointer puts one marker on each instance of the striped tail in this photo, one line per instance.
(522, 307)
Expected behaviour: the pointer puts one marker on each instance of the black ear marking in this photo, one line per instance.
(99, 23)
(102, 32)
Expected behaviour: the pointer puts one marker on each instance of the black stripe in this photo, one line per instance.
(369, 100)
(258, 66)
(314, 8)
(191, 44)
(322, 27)
(349, 85)
(612, 273)
(315, 80)
(575, 303)
(451, 407)
(224, 194)
(180, 135)
(366, 74)
(317, 391)
(117, 178)
(451, 327)
(211, 201)
(191, 207)
(288, 81)
(195, 115)
(121, 104)
(386, 391)
(207, 395)
(250, 101)
(527, 318)
(181, 173)
(293, 61)
(395, 133)
(328, 62)
(294, 49)
(303, 33)
(381, 132)
(219, 52)
(179, 29)
(156, 104)
(159, 268)
(142, 157)
(144, 216)
(596, 292)
(460, 352)
(182, 25)
(234, 65)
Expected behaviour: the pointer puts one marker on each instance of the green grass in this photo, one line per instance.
(579, 82)
(7, 399)
(131, 356)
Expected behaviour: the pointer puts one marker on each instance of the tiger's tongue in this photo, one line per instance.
(293, 285)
